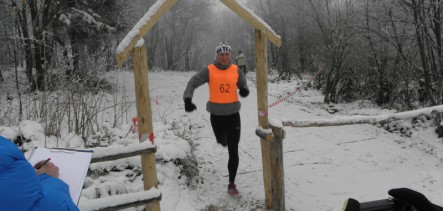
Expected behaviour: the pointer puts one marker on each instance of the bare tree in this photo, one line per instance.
(402, 42)
(427, 19)
(333, 23)
(176, 40)
(379, 56)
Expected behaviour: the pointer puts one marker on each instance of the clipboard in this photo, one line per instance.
(73, 166)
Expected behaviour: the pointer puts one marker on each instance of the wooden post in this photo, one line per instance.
(277, 171)
(261, 49)
(144, 115)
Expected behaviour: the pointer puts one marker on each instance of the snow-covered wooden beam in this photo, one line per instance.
(253, 20)
(358, 119)
(140, 29)
(117, 152)
(123, 201)
(265, 134)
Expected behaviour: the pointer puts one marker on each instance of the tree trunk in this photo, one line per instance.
(27, 45)
(301, 50)
(38, 46)
(41, 72)
(75, 54)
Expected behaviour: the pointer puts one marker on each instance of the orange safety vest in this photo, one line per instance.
(223, 84)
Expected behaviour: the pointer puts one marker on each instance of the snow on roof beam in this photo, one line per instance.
(140, 29)
(253, 20)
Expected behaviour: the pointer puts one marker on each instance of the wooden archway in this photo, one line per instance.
(133, 44)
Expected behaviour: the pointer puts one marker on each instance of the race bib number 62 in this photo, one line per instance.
(224, 88)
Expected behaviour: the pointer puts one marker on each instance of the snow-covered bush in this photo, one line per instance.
(407, 127)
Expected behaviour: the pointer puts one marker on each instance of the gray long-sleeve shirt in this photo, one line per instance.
(218, 109)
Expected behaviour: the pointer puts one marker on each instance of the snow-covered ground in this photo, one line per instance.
(323, 166)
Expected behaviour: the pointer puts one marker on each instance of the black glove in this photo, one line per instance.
(244, 92)
(417, 199)
(189, 106)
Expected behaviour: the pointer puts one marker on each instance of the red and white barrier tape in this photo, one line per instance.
(296, 90)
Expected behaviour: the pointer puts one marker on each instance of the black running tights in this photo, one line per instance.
(227, 132)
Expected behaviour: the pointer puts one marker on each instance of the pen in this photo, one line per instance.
(41, 163)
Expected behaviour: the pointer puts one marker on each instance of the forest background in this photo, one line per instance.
(388, 52)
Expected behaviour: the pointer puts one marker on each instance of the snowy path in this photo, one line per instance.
(323, 166)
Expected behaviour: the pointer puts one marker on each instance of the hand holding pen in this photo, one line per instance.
(46, 167)
(41, 163)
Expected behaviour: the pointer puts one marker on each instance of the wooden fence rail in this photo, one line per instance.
(358, 119)
(118, 202)
(123, 201)
(102, 154)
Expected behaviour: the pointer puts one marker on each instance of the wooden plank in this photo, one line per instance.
(253, 20)
(123, 155)
(123, 201)
(278, 176)
(134, 204)
(144, 116)
(143, 27)
(261, 59)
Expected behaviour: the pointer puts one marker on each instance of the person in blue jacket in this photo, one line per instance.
(24, 188)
